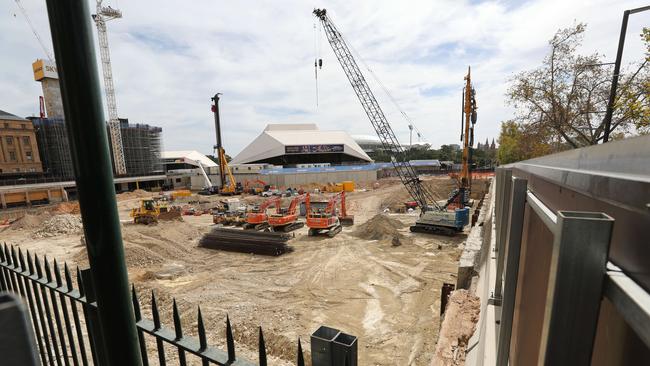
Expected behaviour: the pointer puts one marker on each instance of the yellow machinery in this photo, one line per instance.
(150, 211)
(229, 187)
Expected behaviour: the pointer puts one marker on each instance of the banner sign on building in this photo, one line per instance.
(311, 149)
(44, 69)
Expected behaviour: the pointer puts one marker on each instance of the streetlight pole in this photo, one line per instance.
(617, 69)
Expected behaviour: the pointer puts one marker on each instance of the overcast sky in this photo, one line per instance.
(170, 57)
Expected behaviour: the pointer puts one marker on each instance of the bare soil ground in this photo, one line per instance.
(386, 295)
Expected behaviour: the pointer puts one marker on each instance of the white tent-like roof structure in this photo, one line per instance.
(189, 157)
(272, 142)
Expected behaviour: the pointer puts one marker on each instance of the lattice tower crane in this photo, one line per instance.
(104, 14)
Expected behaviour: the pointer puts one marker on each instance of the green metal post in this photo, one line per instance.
(77, 67)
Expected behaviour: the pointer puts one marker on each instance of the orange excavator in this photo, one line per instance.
(287, 218)
(329, 220)
(257, 218)
(256, 186)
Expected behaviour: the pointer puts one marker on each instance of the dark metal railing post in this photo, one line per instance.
(87, 289)
(617, 69)
(77, 67)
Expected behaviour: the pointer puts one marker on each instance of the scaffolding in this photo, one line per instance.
(53, 147)
(141, 144)
(142, 147)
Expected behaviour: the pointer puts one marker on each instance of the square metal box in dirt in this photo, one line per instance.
(344, 348)
(321, 346)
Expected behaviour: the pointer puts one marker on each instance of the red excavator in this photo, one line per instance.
(287, 218)
(328, 220)
(257, 218)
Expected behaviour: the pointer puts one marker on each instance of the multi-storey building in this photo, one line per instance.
(18, 147)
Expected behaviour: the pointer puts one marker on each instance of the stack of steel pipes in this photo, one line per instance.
(246, 241)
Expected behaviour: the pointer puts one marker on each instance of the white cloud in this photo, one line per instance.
(169, 58)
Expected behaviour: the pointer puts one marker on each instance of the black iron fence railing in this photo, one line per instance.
(64, 318)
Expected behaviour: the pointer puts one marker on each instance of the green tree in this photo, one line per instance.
(518, 142)
(566, 96)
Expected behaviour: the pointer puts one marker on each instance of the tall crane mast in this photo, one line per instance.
(104, 14)
(389, 141)
(468, 121)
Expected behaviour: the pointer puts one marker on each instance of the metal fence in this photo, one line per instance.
(64, 317)
(572, 260)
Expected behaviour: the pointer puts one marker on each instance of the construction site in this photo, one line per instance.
(375, 279)
(311, 246)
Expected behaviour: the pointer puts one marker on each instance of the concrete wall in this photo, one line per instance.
(52, 96)
(287, 180)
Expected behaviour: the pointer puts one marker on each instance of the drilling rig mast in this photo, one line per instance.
(104, 14)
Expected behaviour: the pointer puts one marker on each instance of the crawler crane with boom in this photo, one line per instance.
(434, 218)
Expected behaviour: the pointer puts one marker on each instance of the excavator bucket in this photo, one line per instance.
(347, 220)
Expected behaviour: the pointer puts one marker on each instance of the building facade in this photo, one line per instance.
(141, 145)
(18, 147)
(290, 145)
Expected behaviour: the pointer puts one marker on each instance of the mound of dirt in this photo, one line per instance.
(382, 227)
(138, 193)
(60, 225)
(147, 245)
(30, 221)
(67, 208)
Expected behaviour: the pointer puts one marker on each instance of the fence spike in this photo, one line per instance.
(154, 312)
(262, 348)
(80, 283)
(203, 343)
(7, 254)
(2, 254)
(21, 259)
(301, 359)
(37, 264)
(177, 321)
(68, 278)
(57, 274)
(46, 266)
(30, 263)
(136, 304)
(230, 341)
(14, 259)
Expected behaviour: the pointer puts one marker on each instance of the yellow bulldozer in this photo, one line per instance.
(150, 211)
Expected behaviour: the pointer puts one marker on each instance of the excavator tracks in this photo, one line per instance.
(288, 228)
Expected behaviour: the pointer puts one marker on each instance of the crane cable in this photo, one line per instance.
(31, 26)
(384, 88)
(316, 61)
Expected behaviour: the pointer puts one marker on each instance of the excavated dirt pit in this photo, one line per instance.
(358, 282)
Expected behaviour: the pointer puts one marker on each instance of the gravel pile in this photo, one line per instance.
(60, 225)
